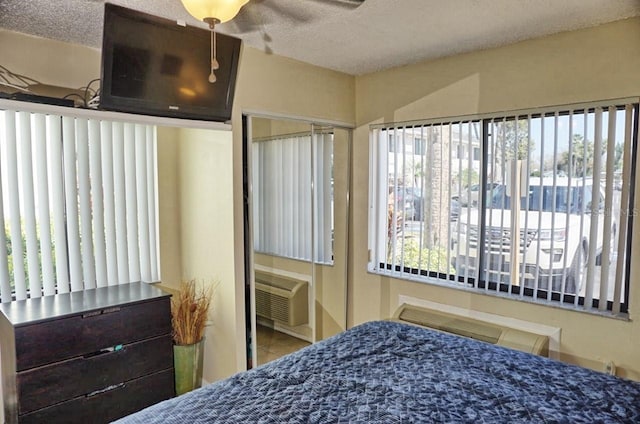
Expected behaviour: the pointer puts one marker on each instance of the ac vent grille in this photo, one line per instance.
(282, 299)
(449, 324)
(474, 329)
(272, 306)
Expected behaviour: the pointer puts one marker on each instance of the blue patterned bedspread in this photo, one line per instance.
(388, 372)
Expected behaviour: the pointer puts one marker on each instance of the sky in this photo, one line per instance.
(568, 126)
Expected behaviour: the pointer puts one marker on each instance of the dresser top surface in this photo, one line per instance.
(30, 311)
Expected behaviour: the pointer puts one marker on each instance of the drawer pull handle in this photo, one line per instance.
(106, 389)
(102, 312)
(111, 310)
(104, 351)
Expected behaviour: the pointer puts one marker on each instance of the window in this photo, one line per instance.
(566, 241)
(78, 204)
(419, 146)
(283, 201)
(394, 146)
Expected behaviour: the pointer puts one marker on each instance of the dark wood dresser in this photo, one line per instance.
(86, 357)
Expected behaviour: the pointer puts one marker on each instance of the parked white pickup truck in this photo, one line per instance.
(554, 234)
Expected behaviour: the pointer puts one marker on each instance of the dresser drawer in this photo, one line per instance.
(51, 384)
(59, 339)
(109, 405)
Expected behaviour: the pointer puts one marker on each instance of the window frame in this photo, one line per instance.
(509, 291)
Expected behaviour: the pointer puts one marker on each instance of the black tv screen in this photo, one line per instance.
(154, 66)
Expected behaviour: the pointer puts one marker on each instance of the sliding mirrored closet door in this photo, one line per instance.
(299, 179)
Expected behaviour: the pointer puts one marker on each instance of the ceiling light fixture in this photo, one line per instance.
(213, 12)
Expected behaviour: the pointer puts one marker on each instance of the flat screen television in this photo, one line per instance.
(154, 66)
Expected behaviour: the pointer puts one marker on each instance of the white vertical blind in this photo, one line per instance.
(11, 179)
(608, 196)
(280, 195)
(5, 285)
(303, 205)
(28, 201)
(152, 201)
(106, 129)
(282, 173)
(56, 188)
(122, 250)
(542, 213)
(132, 200)
(84, 202)
(97, 193)
(71, 202)
(44, 217)
(626, 189)
(78, 204)
(419, 169)
(323, 146)
(142, 203)
(593, 224)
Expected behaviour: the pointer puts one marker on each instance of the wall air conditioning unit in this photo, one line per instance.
(473, 328)
(282, 299)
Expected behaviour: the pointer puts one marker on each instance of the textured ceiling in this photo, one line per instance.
(331, 33)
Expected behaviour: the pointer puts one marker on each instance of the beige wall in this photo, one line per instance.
(206, 234)
(49, 62)
(200, 173)
(196, 227)
(169, 208)
(593, 64)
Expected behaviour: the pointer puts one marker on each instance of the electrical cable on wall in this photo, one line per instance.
(23, 88)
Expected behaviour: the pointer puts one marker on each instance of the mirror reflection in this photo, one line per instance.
(299, 175)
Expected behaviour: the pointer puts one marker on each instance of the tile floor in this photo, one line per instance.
(273, 344)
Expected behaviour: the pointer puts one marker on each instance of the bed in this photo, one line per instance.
(390, 372)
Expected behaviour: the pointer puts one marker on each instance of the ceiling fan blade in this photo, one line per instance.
(239, 26)
(297, 14)
(344, 4)
(257, 13)
(248, 20)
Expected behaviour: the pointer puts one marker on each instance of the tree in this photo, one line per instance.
(436, 188)
(580, 164)
(618, 158)
(25, 262)
(468, 177)
(415, 256)
(416, 171)
(510, 141)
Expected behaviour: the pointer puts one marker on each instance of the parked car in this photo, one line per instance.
(401, 205)
(552, 247)
(454, 209)
(412, 198)
(470, 196)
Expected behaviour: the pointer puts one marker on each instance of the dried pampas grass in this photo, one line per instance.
(189, 312)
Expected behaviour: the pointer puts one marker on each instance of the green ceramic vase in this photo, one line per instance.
(188, 361)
